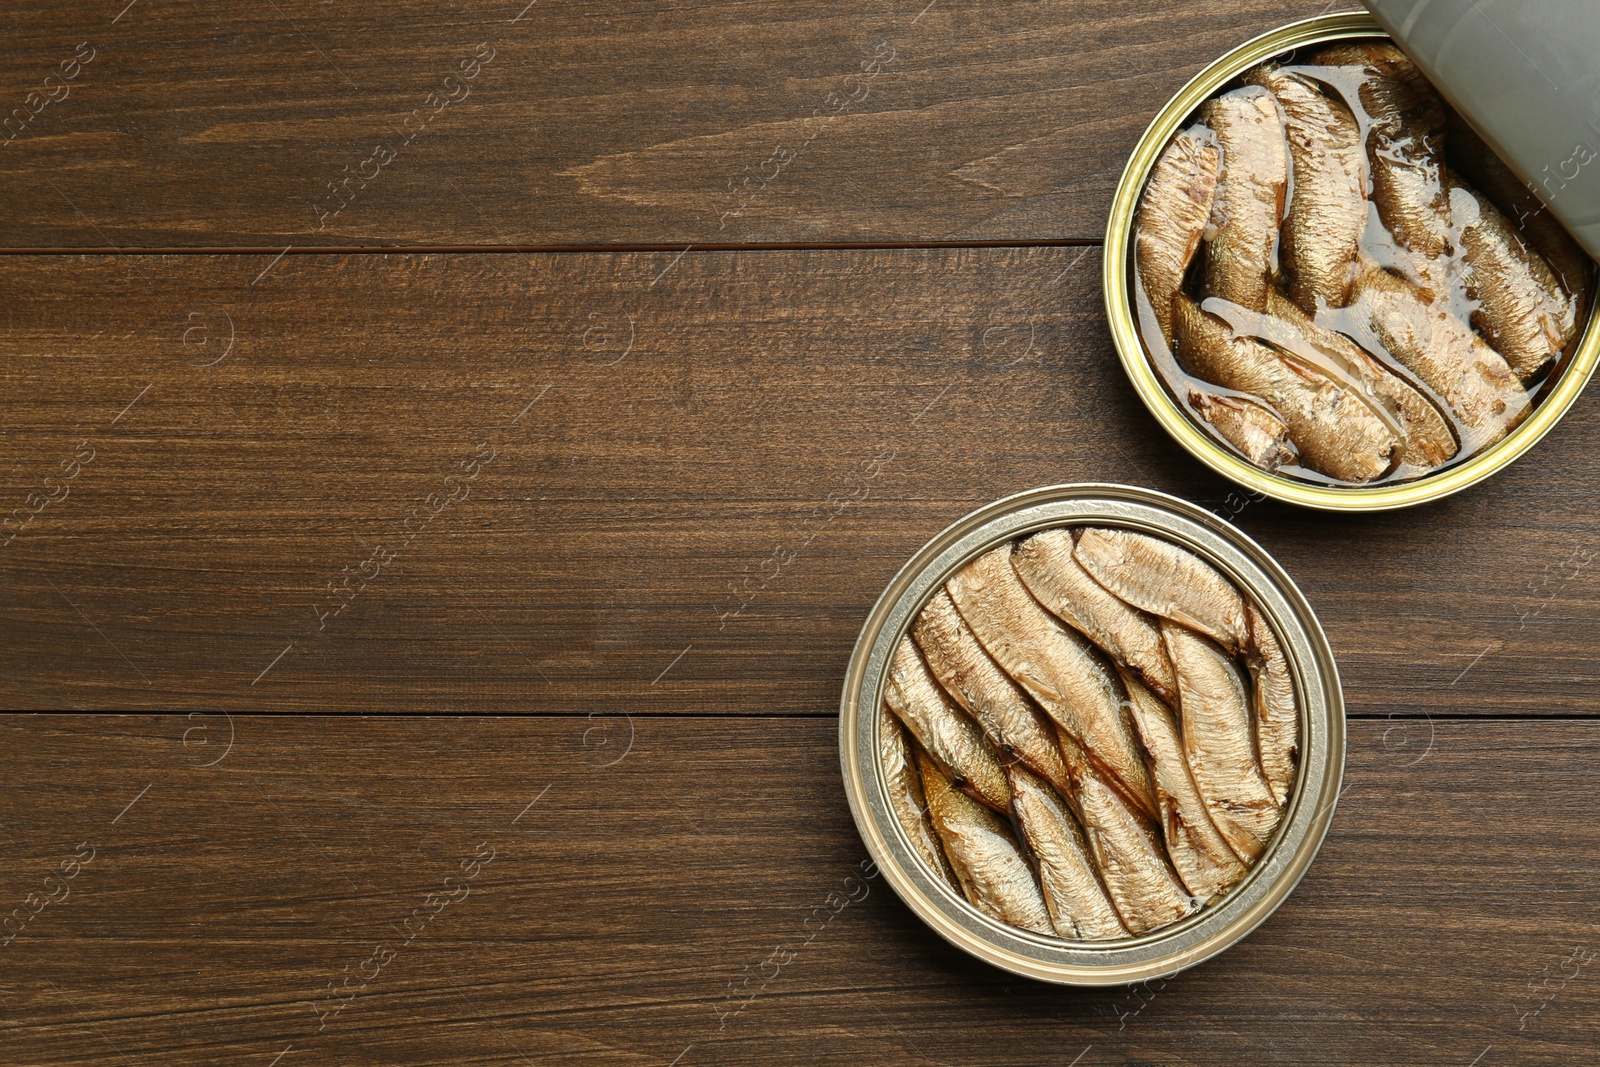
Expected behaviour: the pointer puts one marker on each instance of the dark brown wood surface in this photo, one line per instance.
(654, 426)
(207, 125)
(335, 571)
(629, 915)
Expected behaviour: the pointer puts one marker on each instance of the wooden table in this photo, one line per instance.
(414, 401)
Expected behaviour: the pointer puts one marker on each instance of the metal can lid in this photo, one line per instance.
(1525, 76)
(1308, 811)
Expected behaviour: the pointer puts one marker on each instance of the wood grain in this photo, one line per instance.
(619, 908)
(557, 557)
(202, 125)
(659, 426)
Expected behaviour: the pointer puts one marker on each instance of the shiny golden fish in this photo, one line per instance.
(1132, 862)
(1277, 715)
(1519, 306)
(1476, 161)
(1243, 230)
(1253, 429)
(1159, 577)
(988, 862)
(1335, 430)
(1079, 907)
(948, 733)
(1172, 218)
(982, 688)
(1426, 438)
(1220, 743)
(1057, 666)
(1046, 566)
(1404, 151)
(1481, 389)
(1504, 286)
(1327, 212)
(1388, 85)
(1199, 852)
(904, 784)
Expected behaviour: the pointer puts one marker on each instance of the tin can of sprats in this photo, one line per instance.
(1306, 811)
(1551, 392)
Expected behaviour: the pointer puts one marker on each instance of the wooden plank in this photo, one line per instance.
(308, 123)
(621, 907)
(647, 431)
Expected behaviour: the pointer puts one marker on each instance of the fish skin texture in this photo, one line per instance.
(904, 784)
(1327, 212)
(1167, 581)
(1521, 308)
(1219, 741)
(1200, 854)
(1477, 162)
(1132, 862)
(1427, 439)
(1335, 430)
(1277, 712)
(1248, 208)
(1517, 300)
(1172, 217)
(1058, 667)
(1079, 908)
(1404, 151)
(947, 733)
(988, 863)
(1253, 429)
(982, 689)
(1482, 390)
(1046, 565)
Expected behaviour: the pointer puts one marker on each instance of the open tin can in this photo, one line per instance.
(1306, 812)
(1554, 395)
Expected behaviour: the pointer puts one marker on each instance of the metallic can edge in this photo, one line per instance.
(1162, 953)
(1130, 350)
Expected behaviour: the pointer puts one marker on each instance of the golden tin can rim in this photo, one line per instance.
(1130, 349)
(1300, 832)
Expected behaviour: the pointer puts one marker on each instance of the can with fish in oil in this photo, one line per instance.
(1382, 315)
(985, 627)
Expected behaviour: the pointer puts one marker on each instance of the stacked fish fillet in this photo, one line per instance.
(1089, 733)
(1340, 297)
